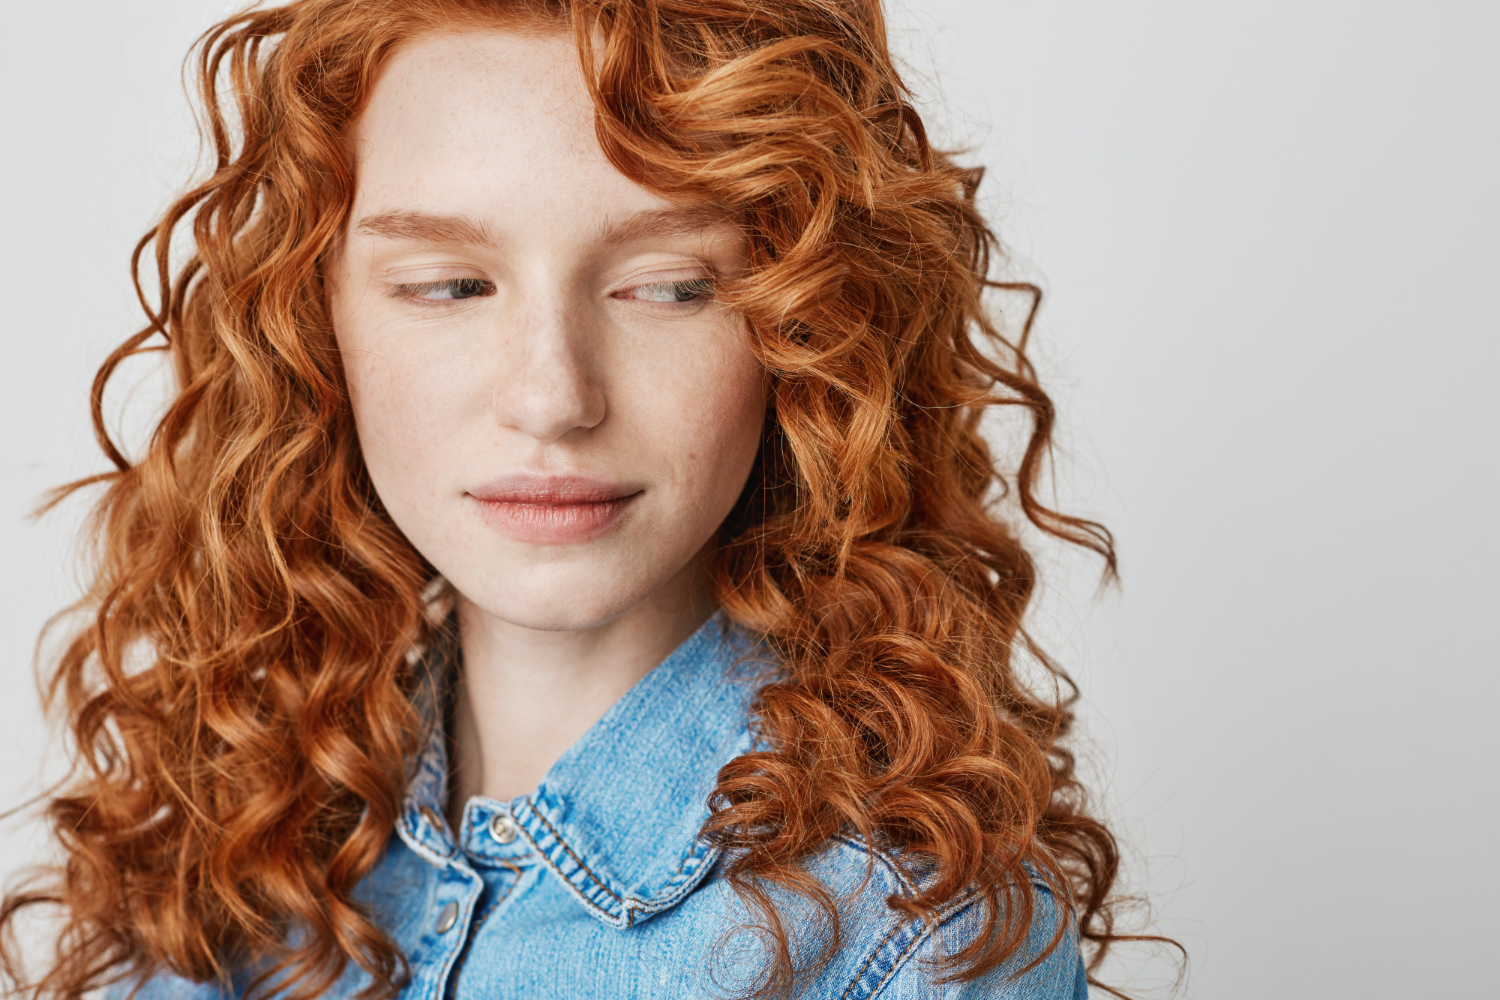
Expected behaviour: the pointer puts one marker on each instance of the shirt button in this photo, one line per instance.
(503, 828)
(447, 917)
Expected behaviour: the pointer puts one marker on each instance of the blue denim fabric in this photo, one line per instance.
(597, 884)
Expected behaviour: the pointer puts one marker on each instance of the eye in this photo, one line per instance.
(672, 291)
(446, 291)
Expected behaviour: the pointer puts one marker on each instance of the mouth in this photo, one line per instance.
(552, 509)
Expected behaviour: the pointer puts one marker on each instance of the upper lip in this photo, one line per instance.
(550, 489)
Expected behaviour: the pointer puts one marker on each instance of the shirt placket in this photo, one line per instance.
(492, 844)
(447, 924)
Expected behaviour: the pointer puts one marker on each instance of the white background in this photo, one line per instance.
(1270, 233)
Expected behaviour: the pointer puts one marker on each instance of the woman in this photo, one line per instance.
(571, 563)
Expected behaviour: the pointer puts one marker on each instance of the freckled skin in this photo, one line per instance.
(555, 370)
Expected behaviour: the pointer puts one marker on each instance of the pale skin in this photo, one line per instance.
(510, 308)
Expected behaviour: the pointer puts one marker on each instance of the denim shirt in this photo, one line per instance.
(598, 884)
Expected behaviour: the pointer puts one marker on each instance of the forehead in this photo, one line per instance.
(489, 124)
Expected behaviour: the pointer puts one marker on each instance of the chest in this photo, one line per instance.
(476, 928)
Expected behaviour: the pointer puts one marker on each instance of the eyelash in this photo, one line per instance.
(698, 290)
(459, 289)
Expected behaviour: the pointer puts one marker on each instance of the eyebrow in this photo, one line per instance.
(663, 223)
(449, 230)
(460, 230)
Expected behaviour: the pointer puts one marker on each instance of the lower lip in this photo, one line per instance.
(553, 523)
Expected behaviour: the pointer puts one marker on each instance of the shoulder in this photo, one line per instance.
(886, 955)
(166, 986)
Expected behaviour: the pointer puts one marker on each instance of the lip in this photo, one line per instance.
(550, 509)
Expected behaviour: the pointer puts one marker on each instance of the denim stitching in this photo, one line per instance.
(579, 861)
(870, 958)
(492, 863)
(884, 857)
(939, 917)
(503, 896)
(406, 830)
(927, 931)
(699, 852)
(450, 986)
(631, 910)
(900, 877)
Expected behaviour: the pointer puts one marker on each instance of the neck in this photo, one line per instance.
(526, 695)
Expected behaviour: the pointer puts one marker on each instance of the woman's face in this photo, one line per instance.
(551, 405)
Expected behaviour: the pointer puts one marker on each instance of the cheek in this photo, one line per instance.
(386, 412)
(716, 419)
(737, 410)
(395, 408)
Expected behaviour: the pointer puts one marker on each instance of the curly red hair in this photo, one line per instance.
(242, 697)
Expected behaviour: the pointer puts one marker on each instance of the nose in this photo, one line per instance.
(551, 387)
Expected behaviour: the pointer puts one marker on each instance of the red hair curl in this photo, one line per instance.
(242, 699)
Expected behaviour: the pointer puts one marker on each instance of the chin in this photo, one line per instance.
(564, 604)
(552, 619)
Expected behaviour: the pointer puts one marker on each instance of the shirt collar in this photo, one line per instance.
(617, 818)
